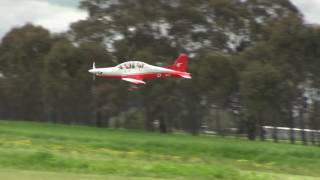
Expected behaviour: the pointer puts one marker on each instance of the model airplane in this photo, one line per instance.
(136, 72)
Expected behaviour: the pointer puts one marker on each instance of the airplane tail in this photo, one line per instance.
(180, 63)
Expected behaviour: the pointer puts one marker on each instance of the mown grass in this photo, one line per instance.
(123, 153)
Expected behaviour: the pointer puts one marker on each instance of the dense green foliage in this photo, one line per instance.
(118, 153)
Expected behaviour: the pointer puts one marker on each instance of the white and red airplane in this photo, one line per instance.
(136, 72)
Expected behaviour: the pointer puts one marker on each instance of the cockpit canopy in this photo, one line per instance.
(131, 65)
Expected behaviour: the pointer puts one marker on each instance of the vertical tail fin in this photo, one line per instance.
(180, 63)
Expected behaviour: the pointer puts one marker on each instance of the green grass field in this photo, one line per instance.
(46, 151)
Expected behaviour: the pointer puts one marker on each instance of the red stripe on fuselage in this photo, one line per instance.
(142, 76)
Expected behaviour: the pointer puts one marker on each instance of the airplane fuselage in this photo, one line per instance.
(124, 70)
(137, 71)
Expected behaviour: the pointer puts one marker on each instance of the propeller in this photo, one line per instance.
(93, 67)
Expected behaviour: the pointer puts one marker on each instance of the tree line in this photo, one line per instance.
(250, 62)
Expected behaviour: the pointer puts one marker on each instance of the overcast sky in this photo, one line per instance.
(310, 10)
(56, 15)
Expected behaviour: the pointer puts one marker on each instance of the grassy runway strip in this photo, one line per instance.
(34, 150)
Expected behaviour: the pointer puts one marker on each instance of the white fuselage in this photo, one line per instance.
(130, 68)
(136, 71)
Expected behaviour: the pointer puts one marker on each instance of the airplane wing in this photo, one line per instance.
(134, 81)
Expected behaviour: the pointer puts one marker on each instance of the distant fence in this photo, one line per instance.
(284, 133)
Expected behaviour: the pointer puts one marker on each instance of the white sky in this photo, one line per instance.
(310, 10)
(56, 15)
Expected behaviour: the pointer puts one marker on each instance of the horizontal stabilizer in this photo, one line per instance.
(134, 81)
(186, 75)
